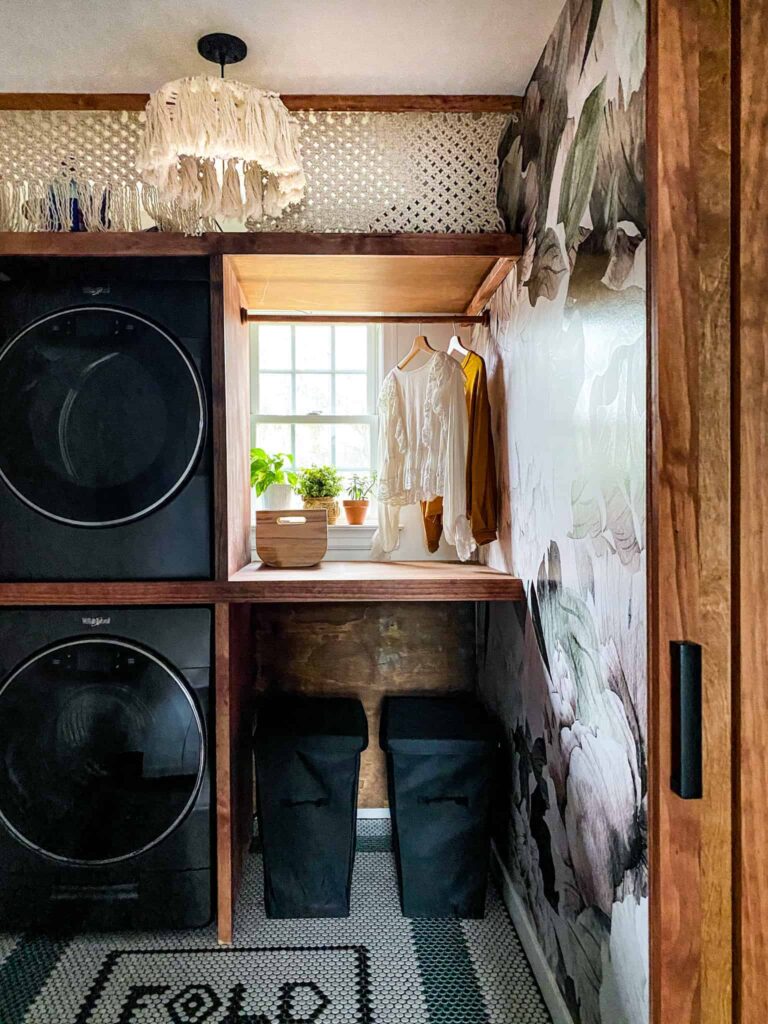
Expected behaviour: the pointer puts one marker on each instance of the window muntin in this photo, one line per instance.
(314, 389)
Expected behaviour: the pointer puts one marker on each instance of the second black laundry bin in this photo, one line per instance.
(440, 754)
(307, 753)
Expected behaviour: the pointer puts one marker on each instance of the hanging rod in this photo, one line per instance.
(361, 318)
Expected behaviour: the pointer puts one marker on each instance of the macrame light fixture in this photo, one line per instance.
(220, 148)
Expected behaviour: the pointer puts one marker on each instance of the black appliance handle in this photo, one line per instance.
(686, 778)
(462, 801)
(322, 801)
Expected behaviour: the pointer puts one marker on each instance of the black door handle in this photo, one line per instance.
(686, 720)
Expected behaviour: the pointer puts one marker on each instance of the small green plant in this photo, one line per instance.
(360, 487)
(268, 469)
(319, 482)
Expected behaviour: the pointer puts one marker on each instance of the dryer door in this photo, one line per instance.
(103, 416)
(102, 751)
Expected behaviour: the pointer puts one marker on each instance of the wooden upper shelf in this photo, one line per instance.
(364, 284)
(236, 243)
(256, 583)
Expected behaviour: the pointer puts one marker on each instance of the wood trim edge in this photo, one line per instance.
(392, 103)
(493, 280)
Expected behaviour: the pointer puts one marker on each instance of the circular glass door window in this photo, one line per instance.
(102, 418)
(101, 751)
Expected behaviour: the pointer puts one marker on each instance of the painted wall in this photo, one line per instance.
(566, 357)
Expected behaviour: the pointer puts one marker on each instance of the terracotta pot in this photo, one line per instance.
(329, 504)
(356, 511)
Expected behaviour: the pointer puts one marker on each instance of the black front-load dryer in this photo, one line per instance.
(105, 780)
(105, 453)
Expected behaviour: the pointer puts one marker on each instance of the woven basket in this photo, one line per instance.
(330, 505)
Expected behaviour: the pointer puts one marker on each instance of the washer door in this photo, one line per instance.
(102, 751)
(102, 418)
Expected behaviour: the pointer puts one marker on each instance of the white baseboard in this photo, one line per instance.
(553, 997)
(373, 812)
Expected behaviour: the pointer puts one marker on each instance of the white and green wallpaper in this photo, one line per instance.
(566, 355)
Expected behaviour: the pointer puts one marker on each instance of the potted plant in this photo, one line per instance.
(356, 506)
(319, 486)
(270, 480)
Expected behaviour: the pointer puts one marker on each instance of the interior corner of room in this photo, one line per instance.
(269, 758)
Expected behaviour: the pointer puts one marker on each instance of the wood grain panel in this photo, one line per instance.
(367, 651)
(237, 385)
(331, 581)
(387, 102)
(234, 790)
(376, 284)
(496, 276)
(750, 534)
(170, 243)
(231, 421)
(689, 525)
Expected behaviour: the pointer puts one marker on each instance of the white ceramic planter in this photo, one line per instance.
(277, 496)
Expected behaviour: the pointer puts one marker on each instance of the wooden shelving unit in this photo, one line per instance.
(447, 274)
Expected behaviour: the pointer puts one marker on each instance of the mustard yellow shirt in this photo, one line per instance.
(482, 488)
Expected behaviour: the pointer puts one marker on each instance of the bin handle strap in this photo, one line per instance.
(460, 800)
(321, 802)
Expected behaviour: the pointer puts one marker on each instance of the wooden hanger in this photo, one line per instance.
(420, 344)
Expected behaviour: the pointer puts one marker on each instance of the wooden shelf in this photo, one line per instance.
(259, 584)
(376, 581)
(234, 243)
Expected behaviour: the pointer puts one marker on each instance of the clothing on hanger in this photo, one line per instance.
(423, 436)
(481, 483)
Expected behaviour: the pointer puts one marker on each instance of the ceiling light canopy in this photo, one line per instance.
(221, 147)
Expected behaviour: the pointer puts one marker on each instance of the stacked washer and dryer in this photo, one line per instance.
(105, 475)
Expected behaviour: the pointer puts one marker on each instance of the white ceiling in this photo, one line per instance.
(295, 46)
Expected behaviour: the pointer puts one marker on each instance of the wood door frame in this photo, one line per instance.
(689, 495)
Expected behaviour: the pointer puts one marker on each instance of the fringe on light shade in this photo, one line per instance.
(222, 149)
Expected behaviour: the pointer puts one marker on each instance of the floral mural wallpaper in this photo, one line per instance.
(566, 672)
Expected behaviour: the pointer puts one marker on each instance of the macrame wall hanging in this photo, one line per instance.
(364, 172)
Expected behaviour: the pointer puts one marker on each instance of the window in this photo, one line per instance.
(314, 389)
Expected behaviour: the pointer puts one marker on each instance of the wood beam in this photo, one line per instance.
(169, 243)
(492, 281)
(390, 103)
(371, 318)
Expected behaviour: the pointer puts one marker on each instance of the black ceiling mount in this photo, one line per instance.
(221, 48)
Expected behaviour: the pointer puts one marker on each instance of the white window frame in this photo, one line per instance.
(370, 418)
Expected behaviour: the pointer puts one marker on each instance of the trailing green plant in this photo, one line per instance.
(268, 469)
(360, 487)
(319, 482)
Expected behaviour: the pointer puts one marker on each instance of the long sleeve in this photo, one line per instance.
(390, 474)
(455, 438)
(482, 489)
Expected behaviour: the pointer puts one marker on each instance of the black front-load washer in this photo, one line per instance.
(105, 779)
(105, 451)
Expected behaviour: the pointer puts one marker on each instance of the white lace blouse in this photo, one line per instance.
(423, 450)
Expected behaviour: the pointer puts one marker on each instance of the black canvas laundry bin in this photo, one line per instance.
(441, 753)
(307, 754)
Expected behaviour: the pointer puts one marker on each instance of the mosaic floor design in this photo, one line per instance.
(375, 967)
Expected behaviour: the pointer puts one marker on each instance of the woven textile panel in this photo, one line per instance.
(422, 172)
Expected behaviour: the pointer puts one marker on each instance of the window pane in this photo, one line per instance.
(313, 444)
(351, 394)
(274, 347)
(353, 446)
(313, 394)
(275, 394)
(274, 437)
(352, 347)
(313, 347)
